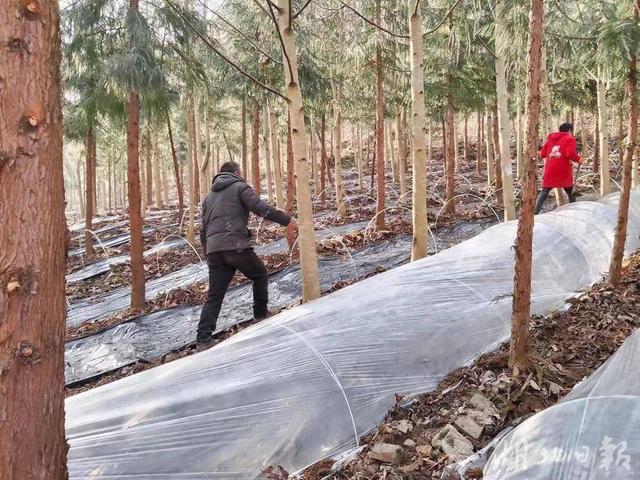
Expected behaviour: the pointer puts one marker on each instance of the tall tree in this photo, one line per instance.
(380, 183)
(615, 268)
(133, 174)
(308, 257)
(33, 239)
(418, 133)
(521, 315)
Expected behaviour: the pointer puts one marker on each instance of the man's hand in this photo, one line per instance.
(292, 228)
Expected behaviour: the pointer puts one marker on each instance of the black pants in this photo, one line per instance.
(222, 267)
(544, 193)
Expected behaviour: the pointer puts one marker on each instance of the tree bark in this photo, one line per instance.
(465, 145)
(323, 158)
(244, 138)
(488, 137)
(191, 236)
(521, 315)
(176, 171)
(79, 182)
(307, 241)
(450, 157)
(340, 206)
(133, 182)
(596, 145)
(90, 192)
(156, 170)
(420, 243)
(497, 161)
(148, 158)
(519, 165)
(603, 123)
(479, 142)
(33, 239)
(255, 149)
(275, 149)
(197, 157)
(402, 155)
(380, 183)
(502, 92)
(615, 269)
(266, 138)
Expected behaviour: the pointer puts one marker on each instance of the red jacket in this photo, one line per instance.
(559, 151)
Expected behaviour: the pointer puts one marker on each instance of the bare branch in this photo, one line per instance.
(284, 50)
(439, 24)
(370, 22)
(241, 33)
(222, 55)
(301, 10)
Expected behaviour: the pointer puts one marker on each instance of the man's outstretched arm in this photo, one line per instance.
(262, 208)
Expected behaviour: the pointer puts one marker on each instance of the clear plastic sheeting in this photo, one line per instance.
(151, 336)
(307, 383)
(594, 433)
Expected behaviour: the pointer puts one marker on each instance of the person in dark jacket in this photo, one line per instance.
(226, 239)
(558, 151)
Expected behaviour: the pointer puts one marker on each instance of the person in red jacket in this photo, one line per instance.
(558, 151)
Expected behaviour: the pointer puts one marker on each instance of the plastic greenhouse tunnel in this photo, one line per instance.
(308, 383)
(593, 433)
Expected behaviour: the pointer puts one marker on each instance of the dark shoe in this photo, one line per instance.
(262, 316)
(206, 345)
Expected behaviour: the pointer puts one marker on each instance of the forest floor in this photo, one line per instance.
(566, 347)
(475, 201)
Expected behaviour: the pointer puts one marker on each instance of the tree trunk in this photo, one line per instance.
(615, 269)
(596, 145)
(148, 158)
(176, 171)
(207, 162)
(275, 148)
(502, 92)
(450, 156)
(497, 161)
(420, 242)
(267, 155)
(621, 149)
(133, 182)
(33, 240)
(245, 172)
(255, 149)
(465, 145)
(479, 142)
(603, 123)
(456, 146)
(323, 158)
(519, 165)
(391, 143)
(156, 170)
(191, 236)
(340, 206)
(380, 183)
(488, 137)
(359, 154)
(521, 315)
(197, 156)
(90, 192)
(402, 155)
(307, 241)
(80, 196)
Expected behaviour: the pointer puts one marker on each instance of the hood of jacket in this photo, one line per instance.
(556, 136)
(223, 180)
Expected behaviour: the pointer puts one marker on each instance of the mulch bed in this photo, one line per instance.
(565, 348)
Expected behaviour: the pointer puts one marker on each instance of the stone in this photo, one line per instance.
(469, 426)
(409, 443)
(385, 452)
(483, 403)
(424, 450)
(453, 443)
(404, 426)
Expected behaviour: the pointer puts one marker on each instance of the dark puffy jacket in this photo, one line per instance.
(225, 214)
